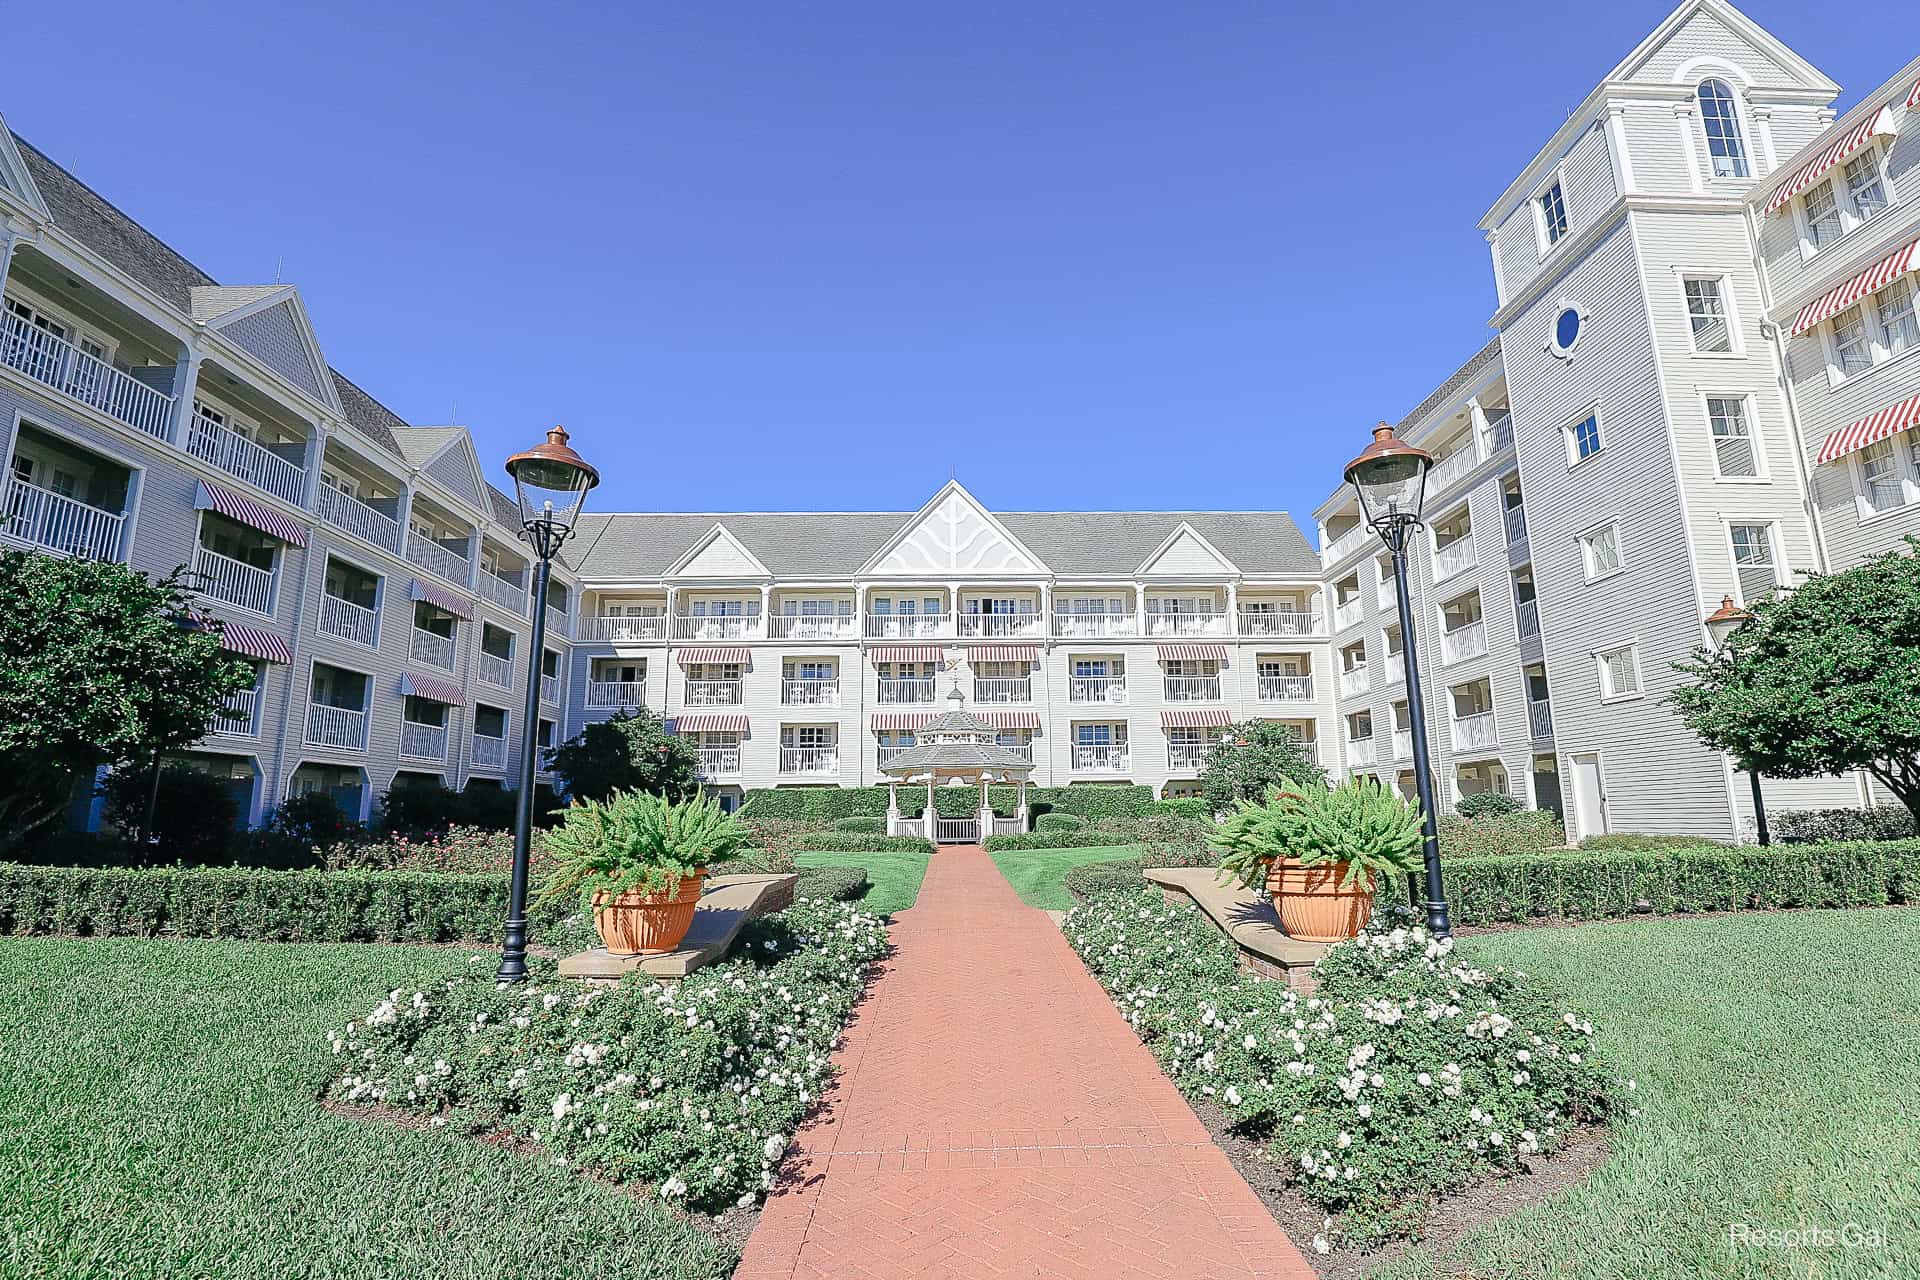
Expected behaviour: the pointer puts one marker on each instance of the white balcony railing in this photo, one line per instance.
(625, 629)
(1355, 682)
(1193, 689)
(432, 649)
(1286, 688)
(343, 727)
(423, 741)
(889, 750)
(1003, 689)
(559, 621)
(87, 378)
(494, 670)
(221, 578)
(714, 693)
(1186, 624)
(1344, 545)
(1022, 749)
(359, 518)
(436, 559)
(488, 752)
(1100, 757)
(1403, 744)
(715, 626)
(348, 621)
(809, 760)
(812, 626)
(1396, 667)
(1499, 433)
(810, 693)
(1468, 640)
(238, 456)
(1458, 555)
(1539, 719)
(906, 626)
(235, 718)
(1527, 617)
(1474, 732)
(1359, 752)
(1280, 622)
(718, 762)
(999, 626)
(1452, 468)
(1093, 626)
(1348, 614)
(550, 689)
(1111, 690)
(1515, 519)
(509, 595)
(602, 694)
(59, 523)
(1187, 757)
(892, 692)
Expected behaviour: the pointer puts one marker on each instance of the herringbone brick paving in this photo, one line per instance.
(995, 1116)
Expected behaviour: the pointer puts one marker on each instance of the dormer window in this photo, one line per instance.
(1722, 123)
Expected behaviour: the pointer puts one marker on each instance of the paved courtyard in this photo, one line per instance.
(995, 1116)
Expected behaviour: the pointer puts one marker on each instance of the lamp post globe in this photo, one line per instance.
(550, 483)
(1723, 624)
(1390, 476)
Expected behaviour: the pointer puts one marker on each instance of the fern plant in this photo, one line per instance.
(1359, 823)
(635, 842)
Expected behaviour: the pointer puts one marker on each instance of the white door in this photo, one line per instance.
(1589, 796)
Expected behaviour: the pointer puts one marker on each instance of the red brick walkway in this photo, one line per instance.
(995, 1116)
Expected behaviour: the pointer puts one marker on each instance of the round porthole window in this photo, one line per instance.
(1567, 328)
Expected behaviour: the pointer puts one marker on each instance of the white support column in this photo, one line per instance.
(929, 820)
(766, 609)
(186, 377)
(1683, 120)
(1616, 127)
(403, 512)
(7, 240)
(316, 453)
(1233, 609)
(1020, 812)
(473, 559)
(860, 590)
(1046, 609)
(1139, 608)
(1479, 417)
(986, 808)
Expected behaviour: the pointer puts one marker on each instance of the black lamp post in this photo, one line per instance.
(1391, 478)
(1722, 625)
(550, 481)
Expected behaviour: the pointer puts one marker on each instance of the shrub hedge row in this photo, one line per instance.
(1501, 835)
(868, 826)
(1820, 826)
(862, 842)
(1083, 838)
(1058, 822)
(1091, 802)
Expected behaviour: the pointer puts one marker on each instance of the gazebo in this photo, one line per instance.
(956, 746)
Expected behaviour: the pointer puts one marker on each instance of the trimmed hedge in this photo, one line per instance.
(857, 842)
(1193, 807)
(1091, 801)
(840, 884)
(1636, 842)
(867, 826)
(1530, 831)
(1059, 822)
(1823, 826)
(1083, 838)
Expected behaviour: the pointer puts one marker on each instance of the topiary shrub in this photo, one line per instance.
(837, 884)
(1059, 822)
(1488, 804)
(867, 826)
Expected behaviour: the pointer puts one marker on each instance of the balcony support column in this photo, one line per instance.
(1233, 609)
(930, 820)
(1481, 445)
(316, 451)
(7, 240)
(1139, 609)
(473, 561)
(766, 610)
(186, 378)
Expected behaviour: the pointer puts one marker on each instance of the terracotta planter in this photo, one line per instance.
(1311, 904)
(641, 924)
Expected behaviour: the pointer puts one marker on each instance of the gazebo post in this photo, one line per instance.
(1021, 811)
(930, 820)
(893, 806)
(986, 807)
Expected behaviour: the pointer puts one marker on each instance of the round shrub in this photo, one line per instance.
(1059, 822)
(866, 826)
(1488, 804)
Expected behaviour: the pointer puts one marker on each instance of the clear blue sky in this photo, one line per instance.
(770, 256)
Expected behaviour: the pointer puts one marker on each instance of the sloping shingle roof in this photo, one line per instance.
(1461, 377)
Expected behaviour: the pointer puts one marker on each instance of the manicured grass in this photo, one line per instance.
(1036, 874)
(893, 878)
(161, 1121)
(1776, 1055)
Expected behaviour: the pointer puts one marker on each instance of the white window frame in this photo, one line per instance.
(1850, 220)
(1585, 539)
(1904, 471)
(1568, 434)
(1761, 475)
(1775, 551)
(1830, 329)
(1723, 288)
(1607, 693)
(1803, 220)
(1743, 132)
(1553, 329)
(1543, 241)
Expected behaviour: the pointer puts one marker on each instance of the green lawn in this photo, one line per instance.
(1036, 874)
(1778, 1058)
(160, 1121)
(893, 879)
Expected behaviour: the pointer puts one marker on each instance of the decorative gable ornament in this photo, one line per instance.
(954, 535)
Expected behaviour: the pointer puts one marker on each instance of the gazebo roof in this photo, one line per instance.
(956, 742)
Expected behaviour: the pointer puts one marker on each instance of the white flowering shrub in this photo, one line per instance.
(694, 1090)
(1405, 1074)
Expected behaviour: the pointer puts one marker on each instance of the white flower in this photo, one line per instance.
(1366, 1110)
(562, 1105)
(775, 1146)
(672, 1188)
(1424, 1079)
(1322, 1245)
(1232, 1096)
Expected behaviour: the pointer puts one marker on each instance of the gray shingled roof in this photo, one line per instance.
(368, 416)
(1461, 377)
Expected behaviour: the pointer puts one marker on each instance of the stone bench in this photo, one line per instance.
(1247, 917)
(726, 904)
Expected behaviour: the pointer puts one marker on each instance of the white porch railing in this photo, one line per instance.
(59, 523)
(1001, 625)
(1499, 434)
(1527, 617)
(1193, 689)
(1108, 689)
(1344, 545)
(238, 456)
(358, 518)
(714, 693)
(906, 626)
(813, 760)
(1348, 614)
(1515, 519)
(1007, 826)
(889, 750)
(1279, 622)
(1385, 595)
(1403, 744)
(1359, 752)
(1286, 688)
(810, 693)
(1100, 757)
(1022, 749)
(1474, 732)
(510, 596)
(224, 579)
(423, 741)
(336, 727)
(1355, 682)
(719, 761)
(348, 621)
(1466, 641)
(236, 716)
(1187, 757)
(1186, 624)
(956, 830)
(1456, 556)
(559, 621)
(1003, 689)
(622, 630)
(494, 670)
(1540, 719)
(432, 649)
(891, 692)
(812, 626)
(715, 626)
(550, 689)
(1452, 468)
(489, 752)
(602, 694)
(436, 559)
(1078, 626)
(1396, 667)
(87, 378)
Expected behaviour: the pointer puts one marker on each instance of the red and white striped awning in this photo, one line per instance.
(711, 722)
(433, 690)
(689, 657)
(439, 598)
(897, 720)
(1209, 718)
(907, 653)
(239, 638)
(1913, 99)
(1011, 719)
(1192, 652)
(1838, 299)
(235, 506)
(1003, 653)
(1880, 123)
(1872, 429)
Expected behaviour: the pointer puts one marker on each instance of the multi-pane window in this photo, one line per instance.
(1619, 673)
(1600, 550)
(1864, 187)
(1880, 476)
(1553, 214)
(1360, 726)
(1852, 349)
(1899, 328)
(1823, 215)
(1722, 123)
(1707, 314)
(1753, 565)
(1733, 450)
(1583, 439)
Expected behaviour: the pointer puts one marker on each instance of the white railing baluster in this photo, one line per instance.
(59, 523)
(86, 378)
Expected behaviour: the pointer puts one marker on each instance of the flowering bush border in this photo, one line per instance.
(1407, 1073)
(694, 1089)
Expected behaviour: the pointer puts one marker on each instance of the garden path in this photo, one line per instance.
(995, 1116)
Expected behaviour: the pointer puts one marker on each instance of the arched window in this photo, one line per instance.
(1723, 130)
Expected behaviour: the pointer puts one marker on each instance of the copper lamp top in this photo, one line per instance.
(1386, 445)
(1727, 612)
(550, 461)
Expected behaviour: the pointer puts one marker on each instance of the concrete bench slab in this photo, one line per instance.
(726, 904)
(1247, 917)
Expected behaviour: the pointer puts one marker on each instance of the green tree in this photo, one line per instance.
(631, 752)
(97, 667)
(1250, 760)
(195, 815)
(1826, 678)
